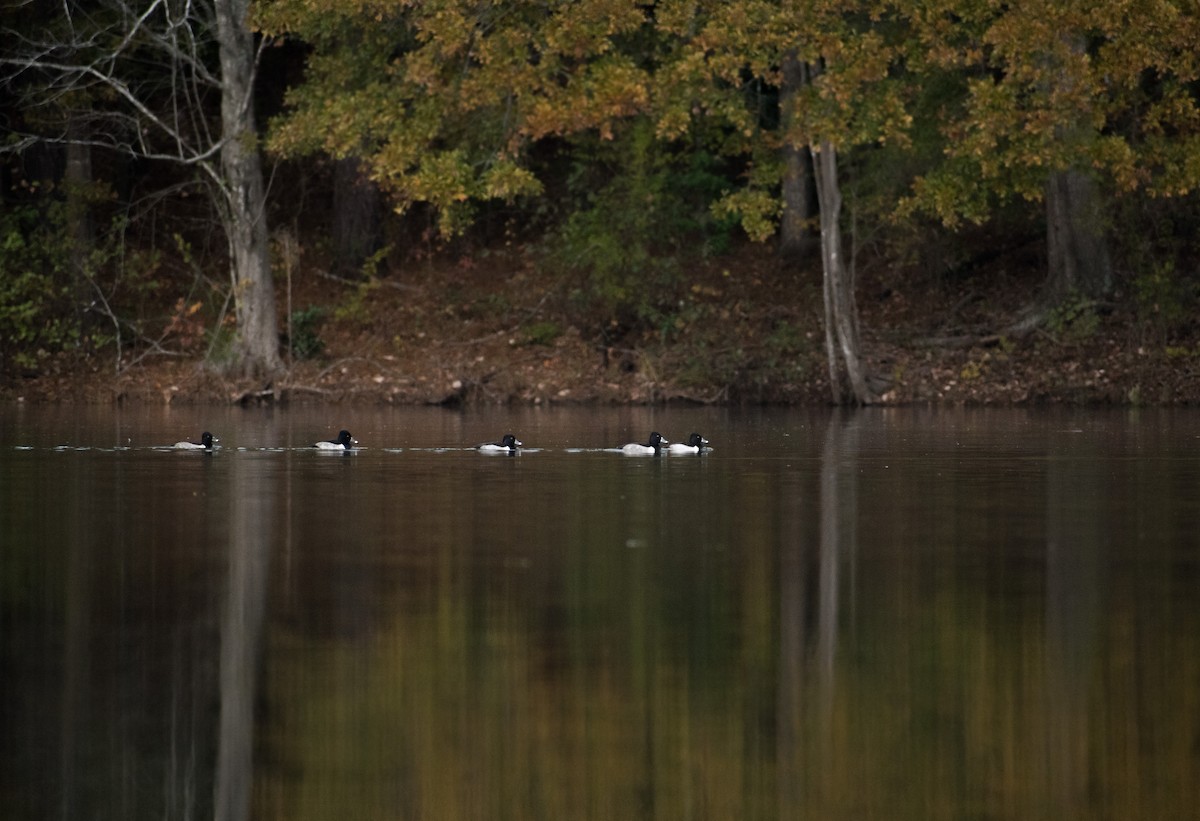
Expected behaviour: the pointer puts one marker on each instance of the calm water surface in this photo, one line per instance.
(895, 614)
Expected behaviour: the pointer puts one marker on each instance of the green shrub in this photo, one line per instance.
(1163, 300)
(36, 311)
(640, 210)
(356, 308)
(305, 342)
(1075, 320)
(542, 333)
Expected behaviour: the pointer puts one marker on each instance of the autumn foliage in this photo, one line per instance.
(626, 135)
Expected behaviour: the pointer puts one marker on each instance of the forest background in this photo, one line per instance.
(452, 201)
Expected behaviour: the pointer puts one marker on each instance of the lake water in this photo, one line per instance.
(894, 614)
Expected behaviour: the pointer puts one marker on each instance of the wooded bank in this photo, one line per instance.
(177, 175)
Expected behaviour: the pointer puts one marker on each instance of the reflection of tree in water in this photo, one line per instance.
(839, 517)
(242, 635)
(809, 609)
(1076, 544)
(116, 722)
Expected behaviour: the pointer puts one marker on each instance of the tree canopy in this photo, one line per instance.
(441, 100)
(1041, 86)
(444, 100)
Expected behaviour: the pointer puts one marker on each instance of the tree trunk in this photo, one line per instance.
(356, 211)
(799, 193)
(1079, 263)
(258, 342)
(842, 345)
(77, 179)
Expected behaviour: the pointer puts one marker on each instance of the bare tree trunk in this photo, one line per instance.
(356, 210)
(796, 237)
(167, 121)
(842, 345)
(78, 181)
(1079, 262)
(258, 340)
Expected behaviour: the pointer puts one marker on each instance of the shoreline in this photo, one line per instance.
(744, 331)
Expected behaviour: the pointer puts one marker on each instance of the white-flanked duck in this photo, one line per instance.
(507, 444)
(695, 444)
(343, 442)
(654, 448)
(205, 443)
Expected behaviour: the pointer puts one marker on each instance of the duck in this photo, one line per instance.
(654, 448)
(507, 444)
(343, 442)
(205, 443)
(695, 444)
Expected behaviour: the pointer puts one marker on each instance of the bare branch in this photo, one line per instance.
(135, 28)
(163, 80)
(163, 32)
(186, 154)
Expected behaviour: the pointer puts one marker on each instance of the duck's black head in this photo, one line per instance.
(657, 440)
(207, 440)
(697, 441)
(344, 439)
(509, 441)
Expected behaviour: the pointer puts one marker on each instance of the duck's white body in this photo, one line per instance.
(344, 442)
(206, 443)
(695, 444)
(507, 444)
(654, 448)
